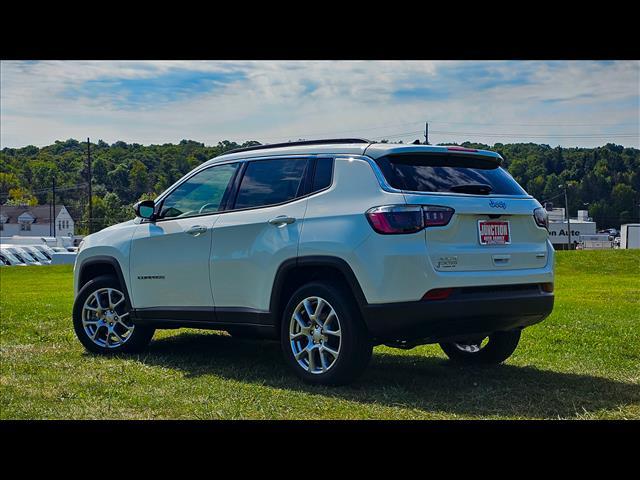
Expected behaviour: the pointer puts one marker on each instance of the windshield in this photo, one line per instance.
(34, 252)
(23, 256)
(10, 256)
(448, 173)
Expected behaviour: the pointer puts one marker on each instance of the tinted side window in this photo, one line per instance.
(323, 174)
(202, 193)
(267, 182)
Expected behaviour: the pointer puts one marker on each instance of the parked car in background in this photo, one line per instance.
(46, 250)
(9, 259)
(36, 254)
(331, 247)
(22, 255)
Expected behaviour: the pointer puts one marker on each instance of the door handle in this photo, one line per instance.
(197, 230)
(282, 220)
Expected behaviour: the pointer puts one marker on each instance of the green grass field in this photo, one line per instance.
(582, 362)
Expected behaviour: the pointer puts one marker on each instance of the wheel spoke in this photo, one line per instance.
(301, 352)
(122, 340)
(298, 319)
(97, 297)
(331, 351)
(307, 307)
(319, 306)
(95, 332)
(335, 333)
(312, 360)
(125, 325)
(323, 360)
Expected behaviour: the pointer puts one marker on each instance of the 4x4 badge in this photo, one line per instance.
(499, 204)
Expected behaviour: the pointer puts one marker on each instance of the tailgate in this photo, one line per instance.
(485, 233)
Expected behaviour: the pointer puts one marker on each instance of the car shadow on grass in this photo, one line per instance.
(427, 384)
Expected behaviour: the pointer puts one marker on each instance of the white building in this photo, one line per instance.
(559, 231)
(35, 221)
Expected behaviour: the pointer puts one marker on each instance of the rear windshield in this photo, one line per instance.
(447, 173)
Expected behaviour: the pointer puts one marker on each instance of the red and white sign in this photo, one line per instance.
(494, 232)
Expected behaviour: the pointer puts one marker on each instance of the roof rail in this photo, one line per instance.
(328, 141)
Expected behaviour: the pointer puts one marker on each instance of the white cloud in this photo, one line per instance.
(270, 101)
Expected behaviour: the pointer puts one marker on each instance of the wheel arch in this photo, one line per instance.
(102, 265)
(293, 273)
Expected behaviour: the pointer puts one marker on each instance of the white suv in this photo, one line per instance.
(332, 247)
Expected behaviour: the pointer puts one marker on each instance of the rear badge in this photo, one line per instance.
(498, 204)
(447, 262)
(150, 277)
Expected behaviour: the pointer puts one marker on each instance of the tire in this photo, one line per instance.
(343, 332)
(499, 347)
(86, 321)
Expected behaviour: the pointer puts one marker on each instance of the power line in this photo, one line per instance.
(538, 124)
(436, 122)
(539, 135)
(47, 190)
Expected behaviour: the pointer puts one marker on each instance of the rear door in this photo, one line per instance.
(493, 227)
(250, 242)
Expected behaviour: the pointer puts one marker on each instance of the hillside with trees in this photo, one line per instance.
(605, 180)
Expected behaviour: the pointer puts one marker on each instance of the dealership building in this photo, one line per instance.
(581, 226)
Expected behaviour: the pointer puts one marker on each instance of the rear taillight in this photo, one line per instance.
(397, 219)
(541, 217)
(393, 219)
(435, 216)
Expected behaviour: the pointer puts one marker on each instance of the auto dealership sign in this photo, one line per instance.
(558, 231)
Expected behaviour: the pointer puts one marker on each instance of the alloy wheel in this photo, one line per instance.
(105, 318)
(315, 335)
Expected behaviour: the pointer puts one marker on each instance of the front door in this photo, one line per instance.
(170, 256)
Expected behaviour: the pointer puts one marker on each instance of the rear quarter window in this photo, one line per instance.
(448, 173)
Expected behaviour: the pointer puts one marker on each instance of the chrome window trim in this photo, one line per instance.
(166, 193)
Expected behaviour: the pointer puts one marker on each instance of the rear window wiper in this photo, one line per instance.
(477, 188)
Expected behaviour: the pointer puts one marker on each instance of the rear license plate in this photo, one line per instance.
(493, 232)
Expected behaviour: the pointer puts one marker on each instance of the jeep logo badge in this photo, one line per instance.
(501, 205)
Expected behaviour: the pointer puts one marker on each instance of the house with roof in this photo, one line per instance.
(38, 221)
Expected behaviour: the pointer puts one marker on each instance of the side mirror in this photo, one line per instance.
(145, 209)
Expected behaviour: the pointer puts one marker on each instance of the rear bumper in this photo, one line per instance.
(468, 311)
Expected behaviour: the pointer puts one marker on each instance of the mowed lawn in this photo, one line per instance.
(583, 362)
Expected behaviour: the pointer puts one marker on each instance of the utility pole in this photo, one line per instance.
(426, 133)
(89, 172)
(566, 207)
(53, 219)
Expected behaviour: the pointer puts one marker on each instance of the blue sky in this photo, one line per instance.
(569, 103)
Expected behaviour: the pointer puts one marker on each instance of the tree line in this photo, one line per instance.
(604, 180)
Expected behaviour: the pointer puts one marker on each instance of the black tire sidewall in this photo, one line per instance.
(355, 348)
(500, 347)
(140, 337)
